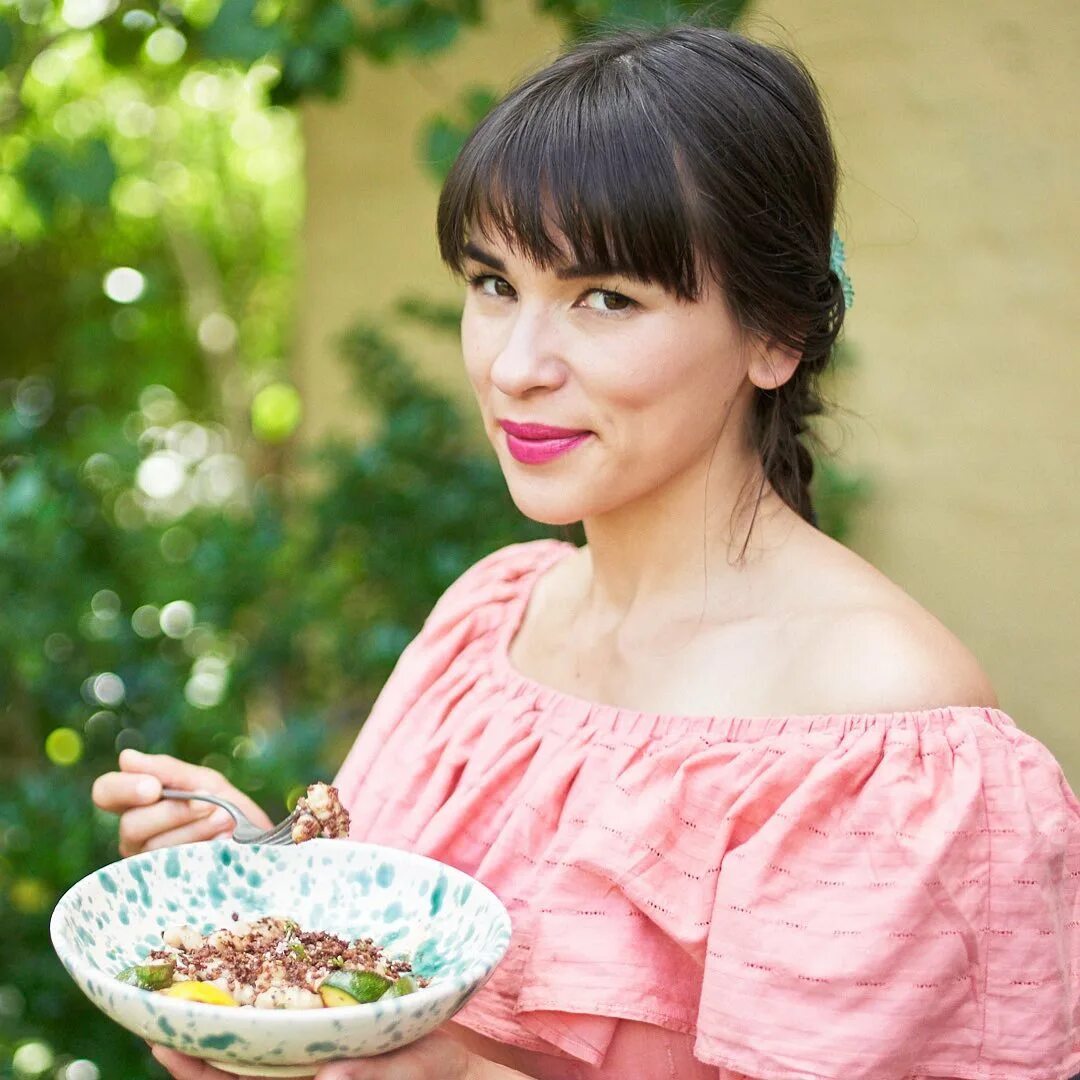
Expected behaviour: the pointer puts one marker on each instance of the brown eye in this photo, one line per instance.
(606, 300)
(490, 285)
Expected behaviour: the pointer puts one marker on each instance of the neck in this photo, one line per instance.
(687, 545)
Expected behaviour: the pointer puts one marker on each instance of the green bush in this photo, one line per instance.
(175, 573)
(252, 636)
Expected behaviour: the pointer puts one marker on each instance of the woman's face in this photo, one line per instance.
(597, 390)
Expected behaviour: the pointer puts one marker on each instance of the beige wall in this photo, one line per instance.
(960, 139)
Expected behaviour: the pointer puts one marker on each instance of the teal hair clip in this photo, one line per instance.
(836, 264)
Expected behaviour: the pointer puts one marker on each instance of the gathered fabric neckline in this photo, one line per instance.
(609, 715)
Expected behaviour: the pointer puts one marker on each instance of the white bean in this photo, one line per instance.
(182, 937)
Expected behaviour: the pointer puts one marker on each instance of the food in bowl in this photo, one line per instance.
(449, 926)
(320, 813)
(270, 963)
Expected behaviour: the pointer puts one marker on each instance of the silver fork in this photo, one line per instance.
(246, 831)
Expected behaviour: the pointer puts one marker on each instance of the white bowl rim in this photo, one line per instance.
(86, 970)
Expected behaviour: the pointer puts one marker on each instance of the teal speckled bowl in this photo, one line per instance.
(451, 927)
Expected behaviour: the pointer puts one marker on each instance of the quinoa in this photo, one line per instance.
(270, 962)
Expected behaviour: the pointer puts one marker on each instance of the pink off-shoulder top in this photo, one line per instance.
(841, 897)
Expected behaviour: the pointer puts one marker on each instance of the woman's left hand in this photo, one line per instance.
(434, 1057)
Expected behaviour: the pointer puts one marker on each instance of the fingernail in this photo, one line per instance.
(220, 818)
(148, 788)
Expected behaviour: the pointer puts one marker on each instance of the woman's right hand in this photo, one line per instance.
(147, 821)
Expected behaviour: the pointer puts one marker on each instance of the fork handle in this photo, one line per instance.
(202, 796)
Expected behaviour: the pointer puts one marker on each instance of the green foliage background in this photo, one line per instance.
(175, 573)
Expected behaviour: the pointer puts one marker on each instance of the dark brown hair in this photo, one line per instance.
(671, 155)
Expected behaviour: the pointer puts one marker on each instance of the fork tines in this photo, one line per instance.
(280, 833)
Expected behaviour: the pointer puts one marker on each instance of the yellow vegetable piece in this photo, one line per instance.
(207, 993)
(332, 997)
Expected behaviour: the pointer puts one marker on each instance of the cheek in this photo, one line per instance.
(671, 385)
(475, 352)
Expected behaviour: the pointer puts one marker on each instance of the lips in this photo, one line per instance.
(535, 444)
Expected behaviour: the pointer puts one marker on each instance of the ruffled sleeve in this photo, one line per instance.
(842, 897)
(460, 630)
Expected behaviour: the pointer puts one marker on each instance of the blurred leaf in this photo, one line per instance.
(121, 45)
(837, 494)
(445, 318)
(7, 43)
(443, 136)
(583, 17)
(83, 175)
(332, 27)
(235, 35)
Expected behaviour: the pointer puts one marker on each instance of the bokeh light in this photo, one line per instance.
(218, 479)
(217, 332)
(58, 647)
(252, 129)
(108, 688)
(190, 440)
(276, 411)
(102, 471)
(33, 402)
(206, 686)
(159, 404)
(136, 119)
(145, 621)
(177, 618)
(77, 119)
(130, 739)
(178, 544)
(165, 46)
(82, 14)
(81, 1070)
(33, 1058)
(105, 604)
(162, 474)
(138, 19)
(124, 284)
(51, 67)
(102, 725)
(30, 896)
(64, 746)
(204, 90)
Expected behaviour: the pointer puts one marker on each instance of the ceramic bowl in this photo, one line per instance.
(453, 930)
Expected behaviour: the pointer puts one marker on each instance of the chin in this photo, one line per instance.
(547, 512)
(548, 504)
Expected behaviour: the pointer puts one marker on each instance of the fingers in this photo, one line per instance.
(435, 1057)
(173, 773)
(183, 1067)
(117, 792)
(147, 821)
(170, 822)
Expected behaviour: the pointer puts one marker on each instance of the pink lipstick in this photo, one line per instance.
(534, 444)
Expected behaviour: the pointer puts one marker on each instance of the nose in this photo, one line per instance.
(528, 357)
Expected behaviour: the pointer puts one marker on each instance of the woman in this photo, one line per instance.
(754, 812)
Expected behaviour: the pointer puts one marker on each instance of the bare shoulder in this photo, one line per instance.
(873, 648)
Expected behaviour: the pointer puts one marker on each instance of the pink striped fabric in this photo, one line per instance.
(842, 897)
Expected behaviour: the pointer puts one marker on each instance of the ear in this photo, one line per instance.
(772, 364)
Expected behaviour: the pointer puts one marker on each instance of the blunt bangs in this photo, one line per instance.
(577, 159)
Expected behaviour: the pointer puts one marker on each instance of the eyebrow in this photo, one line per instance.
(564, 273)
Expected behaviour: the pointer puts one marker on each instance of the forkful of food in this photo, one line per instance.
(163, 801)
